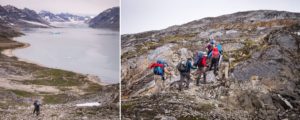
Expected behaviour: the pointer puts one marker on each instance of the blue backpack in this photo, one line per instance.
(219, 46)
(158, 71)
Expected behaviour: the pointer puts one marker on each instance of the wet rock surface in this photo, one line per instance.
(262, 55)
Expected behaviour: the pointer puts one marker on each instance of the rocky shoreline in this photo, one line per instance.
(22, 82)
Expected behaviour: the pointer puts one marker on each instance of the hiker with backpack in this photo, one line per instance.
(200, 62)
(214, 56)
(36, 105)
(210, 46)
(159, 69)
(184, 68)
(219, 46)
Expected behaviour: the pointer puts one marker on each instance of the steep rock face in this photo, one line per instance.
(21, 17)
(107, 19)
(261, 47)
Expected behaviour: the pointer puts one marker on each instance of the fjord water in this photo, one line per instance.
(74, 47)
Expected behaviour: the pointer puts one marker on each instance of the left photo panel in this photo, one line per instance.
(59, 59)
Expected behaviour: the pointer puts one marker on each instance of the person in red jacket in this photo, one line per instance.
(159, 68)
(214, 55)
(202, 66)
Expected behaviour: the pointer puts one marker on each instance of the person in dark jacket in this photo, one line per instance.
(210, 45)
(186, 74)
(36, 105)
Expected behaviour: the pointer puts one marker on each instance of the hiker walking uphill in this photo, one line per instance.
(36, 105)
(200, 62)
(214, 56)
(160, 68)
(219, 46)
(184, 67)
(209, 46)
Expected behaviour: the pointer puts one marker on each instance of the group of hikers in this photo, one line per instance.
(212, 54)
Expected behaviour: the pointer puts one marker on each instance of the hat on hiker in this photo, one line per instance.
(212, 41)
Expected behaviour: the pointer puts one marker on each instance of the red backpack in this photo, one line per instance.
(215, 53)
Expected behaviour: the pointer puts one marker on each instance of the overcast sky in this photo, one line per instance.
(80, 7)
(144, 15)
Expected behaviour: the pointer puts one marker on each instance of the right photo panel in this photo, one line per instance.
(218, 59)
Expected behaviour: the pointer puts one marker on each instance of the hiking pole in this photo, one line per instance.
(220, 60)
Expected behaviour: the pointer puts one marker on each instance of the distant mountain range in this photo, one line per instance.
(62, 17)
(107, 19)
(23, 18)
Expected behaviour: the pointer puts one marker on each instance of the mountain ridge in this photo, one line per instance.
(62, 17)
(20, 17)
(109, 18)
(260, 48)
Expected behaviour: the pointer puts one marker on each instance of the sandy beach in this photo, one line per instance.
(9, 53)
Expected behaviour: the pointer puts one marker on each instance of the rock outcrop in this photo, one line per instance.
(106, 19)
(261, 53)
(15, 17)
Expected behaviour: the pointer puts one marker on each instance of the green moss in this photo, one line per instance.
(57, 99)
(128, 55)
(151, 45)
(55, 82)
(207, 107)
(225, 56)
(93, 88)
(56, 77)
(23, 93)
(245, 53)
(64, 88)
(125, 107)
(55, 73)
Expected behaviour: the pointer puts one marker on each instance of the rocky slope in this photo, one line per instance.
(15, 17)
(106, 19)
(261, 57)
(59, 91)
